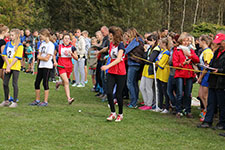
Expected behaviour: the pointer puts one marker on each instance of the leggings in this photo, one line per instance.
(120, 81)
(43, 73)
(7, 77)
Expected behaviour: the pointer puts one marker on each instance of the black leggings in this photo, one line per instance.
(120, 81)
(7, 77)
(43, 73)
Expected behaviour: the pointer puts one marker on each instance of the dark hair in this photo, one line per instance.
(206, 38)
(163, 29)
(154, 37)
(65, 34)
(117, 33)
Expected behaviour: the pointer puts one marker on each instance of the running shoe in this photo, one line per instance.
(119, 118)
(111, 117)
(34, 103)
(43, 104)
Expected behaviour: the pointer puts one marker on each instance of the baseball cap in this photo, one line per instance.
(219, 37)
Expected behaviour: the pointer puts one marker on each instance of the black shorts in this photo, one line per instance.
(85, 62)
(1, 62)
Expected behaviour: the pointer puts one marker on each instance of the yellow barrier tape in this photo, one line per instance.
(216, 73)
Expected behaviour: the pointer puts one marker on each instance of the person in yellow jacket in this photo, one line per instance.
(147, 79)
(162, 74)
(12, 56)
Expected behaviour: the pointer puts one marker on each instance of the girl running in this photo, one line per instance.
(116, 72)
(45, 56)
(12, 54)
(65, 66)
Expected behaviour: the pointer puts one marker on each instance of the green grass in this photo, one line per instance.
(60, 126)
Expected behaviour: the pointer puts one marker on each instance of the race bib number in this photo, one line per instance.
(65, 52)
(10, 52)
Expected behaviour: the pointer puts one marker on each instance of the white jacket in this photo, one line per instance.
(80, 46)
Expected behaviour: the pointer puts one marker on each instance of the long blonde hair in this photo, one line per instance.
(17, 39)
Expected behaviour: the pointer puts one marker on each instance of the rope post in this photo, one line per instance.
(156, 89)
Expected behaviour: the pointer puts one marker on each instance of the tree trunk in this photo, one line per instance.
(182, 24)
(169, 3)
(196, 12)
(219, 14)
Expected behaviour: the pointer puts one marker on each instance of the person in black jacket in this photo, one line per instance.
(216, 87)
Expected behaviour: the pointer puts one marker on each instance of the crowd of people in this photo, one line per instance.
(163, 61)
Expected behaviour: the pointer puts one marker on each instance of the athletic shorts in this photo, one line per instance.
(30, 60)
(85, 62)
(68, 71)
(1, 62)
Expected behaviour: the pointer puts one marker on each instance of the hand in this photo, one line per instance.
(7, 70)
(97, 52)
(55, 64)
(187, 62)
(186, 53)
(38, 57)
(215, 71)
(104, 68)
(199, 80)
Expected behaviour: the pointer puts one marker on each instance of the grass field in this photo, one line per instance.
(60, 126)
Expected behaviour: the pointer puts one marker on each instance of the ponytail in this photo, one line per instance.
(17, 39)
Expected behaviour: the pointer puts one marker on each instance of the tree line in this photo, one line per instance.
(145, 15)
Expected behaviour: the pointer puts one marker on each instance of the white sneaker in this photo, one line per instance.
(4, 103)
(13, 105)
(111, 117)
(119, 118)
(74, 85)
(81, 85)
(165, 111)
(157, 110)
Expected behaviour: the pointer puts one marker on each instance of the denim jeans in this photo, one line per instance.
(215, 97)
(171, 87)
(187, 88)
(104, 82)
(132, 84)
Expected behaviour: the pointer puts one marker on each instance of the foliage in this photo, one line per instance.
(145, 15)
(206, 28)
(62, 127)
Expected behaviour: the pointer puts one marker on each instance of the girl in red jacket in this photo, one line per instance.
(183, 58)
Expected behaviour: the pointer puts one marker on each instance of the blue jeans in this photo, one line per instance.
(187, 88)
(215, 97)
(132, 84)
(171, 87)
(104, 82)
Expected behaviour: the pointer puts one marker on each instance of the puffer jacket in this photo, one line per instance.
(178, 60)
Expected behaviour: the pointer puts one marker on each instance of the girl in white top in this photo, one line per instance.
(45, 61)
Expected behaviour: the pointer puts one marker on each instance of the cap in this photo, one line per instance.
(219, 37)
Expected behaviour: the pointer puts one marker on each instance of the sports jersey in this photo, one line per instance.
(206, 56)
(11, 53)
(65, 58)
(46, 49)
(163, 72)
(119, 68)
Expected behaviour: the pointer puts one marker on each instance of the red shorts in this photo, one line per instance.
(68, 71)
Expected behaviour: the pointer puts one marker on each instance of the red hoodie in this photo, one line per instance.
(179, 58)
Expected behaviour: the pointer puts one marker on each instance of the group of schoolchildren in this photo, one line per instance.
(163, 62)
